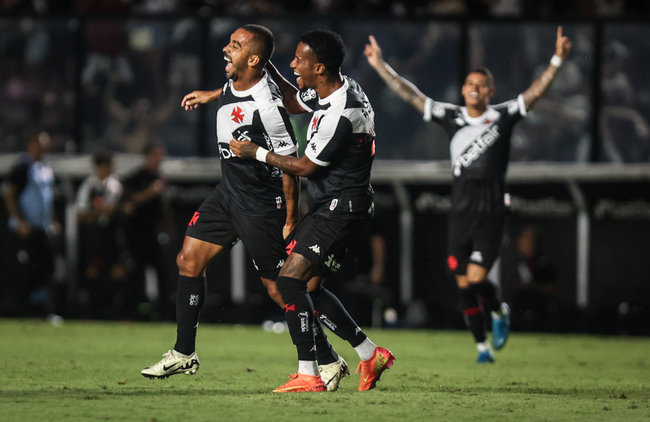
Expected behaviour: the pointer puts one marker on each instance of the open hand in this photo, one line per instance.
(562, 45)
(373, 52)
(192, 100)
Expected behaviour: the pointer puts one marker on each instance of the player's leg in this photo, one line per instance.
(474, 319)
(299, 313)
(487, 236)
(192, 260)
(208, 234)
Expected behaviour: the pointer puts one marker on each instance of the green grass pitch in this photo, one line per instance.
(90, 371)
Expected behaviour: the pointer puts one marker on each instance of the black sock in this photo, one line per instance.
(324, 351)
(299, 312)
(473, 314)
(332, 314)
(487, 291)
(189, 300)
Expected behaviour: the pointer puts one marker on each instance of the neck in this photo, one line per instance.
(326, 86)
(476, 111)
(250, 78)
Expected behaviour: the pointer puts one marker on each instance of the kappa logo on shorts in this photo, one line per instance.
(280, 264)
(476, 256)
(194, 219)
(316, 249)
(452, 263)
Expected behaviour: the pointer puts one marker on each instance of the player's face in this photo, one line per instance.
(304, 67)
(236, 54)
(476, 90)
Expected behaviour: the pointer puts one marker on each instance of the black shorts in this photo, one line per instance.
(324, 236)
(474, 238)
(215, 222)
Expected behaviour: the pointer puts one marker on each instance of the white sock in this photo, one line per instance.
(366, 349)
(308, 367)
(483, 347)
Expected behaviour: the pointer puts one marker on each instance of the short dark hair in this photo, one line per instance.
(327, 47)
(485, 72)
(102, 157)
(263, 41)
(151, 147)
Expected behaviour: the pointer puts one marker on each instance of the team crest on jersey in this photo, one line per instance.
(242, 133)
(308, 94)
(237, 115)
(333, 204)
(278, 201)
(476, 257)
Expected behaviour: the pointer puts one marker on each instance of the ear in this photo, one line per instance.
(319, 68)
(253, 60)
(491, 94)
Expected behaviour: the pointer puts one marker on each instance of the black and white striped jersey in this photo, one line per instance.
(255, 115)
(480, 151)
(340, 139)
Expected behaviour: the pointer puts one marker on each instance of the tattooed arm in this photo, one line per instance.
(302, 166)
(541, 84)
(405, 89)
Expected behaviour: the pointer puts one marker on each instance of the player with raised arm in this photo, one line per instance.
(337, 161)
(480, 146)
(255, 202)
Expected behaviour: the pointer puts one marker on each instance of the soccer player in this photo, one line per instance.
(255, 202)
(480, 142)
(337, 161)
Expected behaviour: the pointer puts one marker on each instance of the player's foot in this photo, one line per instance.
(333, 373)
(372, 368)
(500, 327)
(485, 357)
(172, 363)
(301, 383)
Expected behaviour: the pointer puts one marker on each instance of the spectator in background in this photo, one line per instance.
(534, 298)
(29, 198)
(97, 203)
(145, 211)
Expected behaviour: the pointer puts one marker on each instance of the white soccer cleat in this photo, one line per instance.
(333, 373)
(173, 363)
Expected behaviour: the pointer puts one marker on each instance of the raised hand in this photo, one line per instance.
(562, 44)
(373, 52)
(192, 100)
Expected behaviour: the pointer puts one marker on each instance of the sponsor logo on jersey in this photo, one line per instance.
(476, 149)
(194, 218)
(194, 300)
(476, 256)
(333, 204)
(237, 115)
(308, 94)
(332, 264)
(316, 249)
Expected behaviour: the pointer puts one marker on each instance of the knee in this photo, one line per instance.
(187, 264)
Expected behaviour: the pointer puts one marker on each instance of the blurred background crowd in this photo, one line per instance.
(102, 80)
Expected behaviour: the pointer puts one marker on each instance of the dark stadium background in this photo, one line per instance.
(579, 172)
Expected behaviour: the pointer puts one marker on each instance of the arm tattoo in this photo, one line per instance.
(540, 86)
(284, 162)
(248, 150)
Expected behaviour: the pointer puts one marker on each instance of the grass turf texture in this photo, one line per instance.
(91, 371)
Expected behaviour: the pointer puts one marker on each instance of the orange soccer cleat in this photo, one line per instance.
(372, 368)
(301, 383)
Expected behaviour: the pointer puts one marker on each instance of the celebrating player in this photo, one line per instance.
(480, 142)
(255, 202)
(337, 161)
